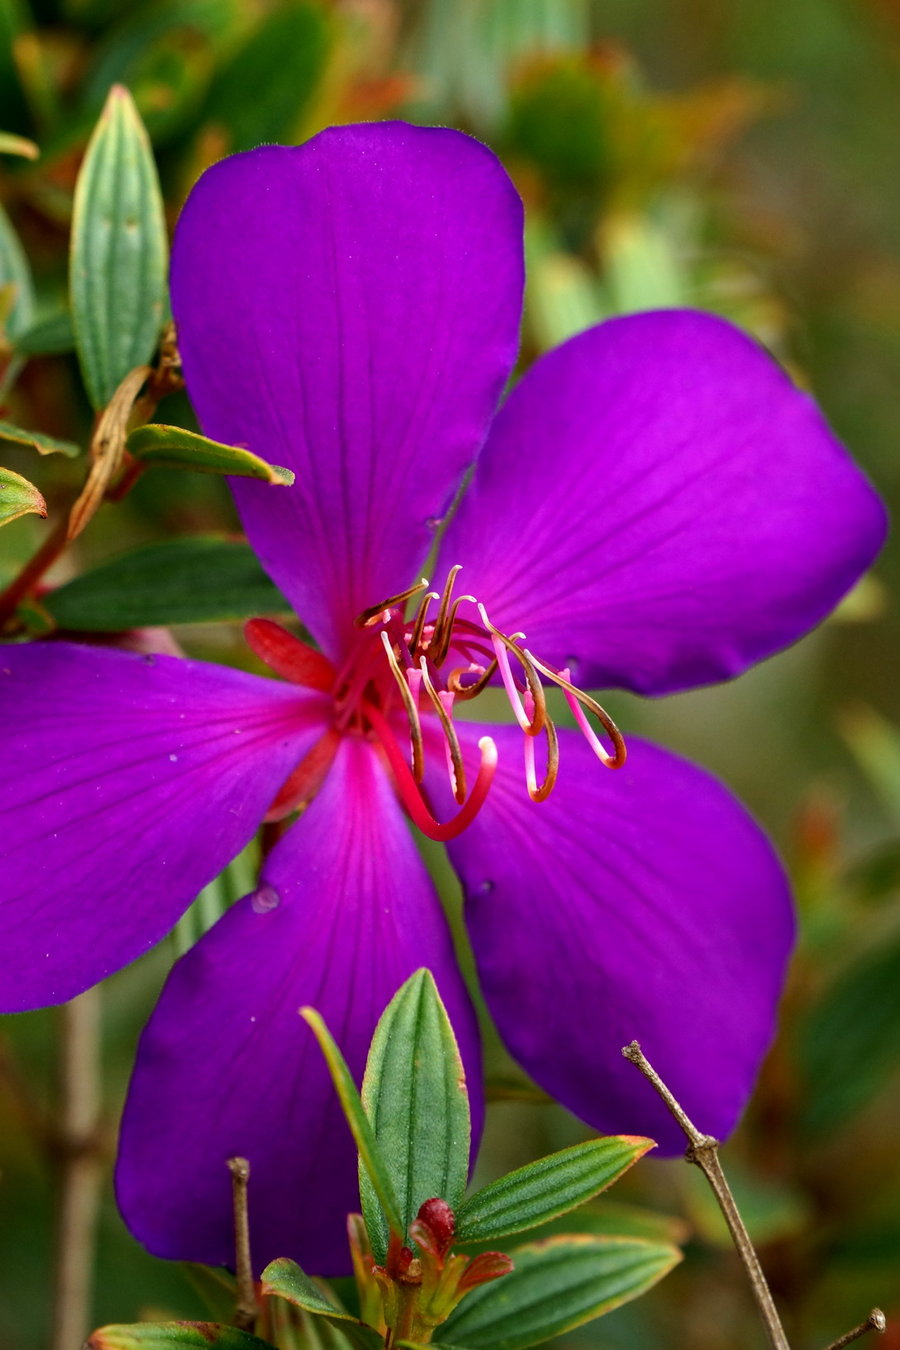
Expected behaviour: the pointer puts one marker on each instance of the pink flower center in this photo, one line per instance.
(404, 676)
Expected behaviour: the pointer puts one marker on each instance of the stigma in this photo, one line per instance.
(419, 655)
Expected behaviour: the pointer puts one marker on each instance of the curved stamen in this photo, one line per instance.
(457, 768)
(438, 630)
(502, 645)
(412, 711)
(418, 628)
(410, 793)
(536, 793)
(464, 691)
(373, 614)
(577, 700)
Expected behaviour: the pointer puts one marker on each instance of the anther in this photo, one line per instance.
(418, 628)
(578, 700)
(374, 613)
(466, 691)
(410, 703)
(454, 754)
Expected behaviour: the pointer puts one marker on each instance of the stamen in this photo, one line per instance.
(464, 691)
(536, 793)
(373, 614)
(289, 657)
(457, 768)
(412, 710)
(503, 644)
(578, 699)
(305, 781)
(411, 794)
(418, 627)
(438, 630)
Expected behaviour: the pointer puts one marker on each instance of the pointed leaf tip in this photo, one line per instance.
(174, 1336)
(174, 448)
(414, 1094)
(18, 497)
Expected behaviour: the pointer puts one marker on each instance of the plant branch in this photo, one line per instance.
(246, 1308)
(79, 1161)
(876, 1321)
(703, 1151)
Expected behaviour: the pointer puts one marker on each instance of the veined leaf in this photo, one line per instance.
(544, 1189)
(175, 448)
(18, 497)
(414, 1093)
(285, 1278)
(195, 580)
(119, 250)
(43, 444)
(554, 1286)
(366, 1143)
(174, 1336)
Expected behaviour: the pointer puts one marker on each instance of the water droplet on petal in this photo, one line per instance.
(264, 898)
(434, 522)
(486, 887)
(173, 759)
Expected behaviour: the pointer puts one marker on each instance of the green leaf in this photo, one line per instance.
(174, 448)
(18, 497)
(414, 1093)
(848, 1043)
(197, 580)
(48, 336)
(119, 250)
(557, 1285)
(876, 744)
(285, 1278)
(37, 440)
(15, 272)
(544, 1189)
(366, 1143)
(174, 1336)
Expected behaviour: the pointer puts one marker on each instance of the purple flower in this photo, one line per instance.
(655, 506)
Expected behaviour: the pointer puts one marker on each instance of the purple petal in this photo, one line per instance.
(127, 783)
(641, 903)
(658, 507)
(350, 308)
(226, 1067)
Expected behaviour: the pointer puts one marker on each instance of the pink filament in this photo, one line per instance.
(411, 794)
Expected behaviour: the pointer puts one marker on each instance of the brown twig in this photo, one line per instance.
(246, 1308)
(80, 1169)
(876, 1321)
(703, 1150)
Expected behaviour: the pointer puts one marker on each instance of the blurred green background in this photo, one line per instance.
(738, 156)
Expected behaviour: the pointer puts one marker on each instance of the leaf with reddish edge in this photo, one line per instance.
(285, 1279)
(38, 440)
(555, 1286)
(414, 1094)
(174, 1336)
(167, 447)
(363, 1134)
(543, 1190)
(18, 497)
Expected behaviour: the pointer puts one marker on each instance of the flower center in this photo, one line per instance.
(413, 669)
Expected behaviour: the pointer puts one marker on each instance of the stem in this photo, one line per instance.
(876, 1321)
(245, 1309)
(34, 569)
(703, 1150)
(80, 1169)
